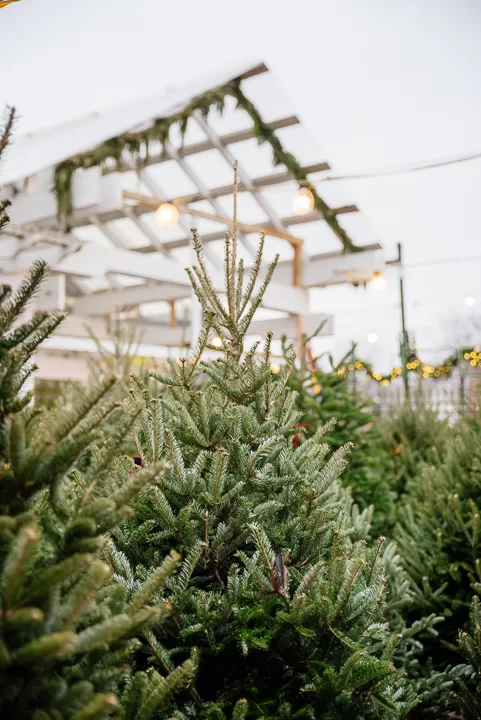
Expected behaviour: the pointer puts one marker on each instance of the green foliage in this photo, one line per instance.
(413, 436)
(325, 394)
(437, 478)
(469, 697)
(68, 630)
(438, 534)
(285, 608)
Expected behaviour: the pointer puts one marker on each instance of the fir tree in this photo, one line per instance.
(286, 610)
(469, 697)
(412, 436)
(324, 394)
(438, 535)
(67, 628)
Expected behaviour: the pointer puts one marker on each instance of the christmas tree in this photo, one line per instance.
(323, 394)
(285, 608)
(68, 629)
(438, 537)
(412, 436)
(469, 697)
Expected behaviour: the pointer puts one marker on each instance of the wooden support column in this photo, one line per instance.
(172, 317)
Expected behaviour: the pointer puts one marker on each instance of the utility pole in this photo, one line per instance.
(404, 335)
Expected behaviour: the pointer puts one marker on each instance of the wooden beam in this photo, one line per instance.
(98, 303)
(323, 274)
(91, 260)
(188, 210)
(159, 333)
(204, 145)
(172, 316)
(265, 181)
(79, 220)
(277, 297)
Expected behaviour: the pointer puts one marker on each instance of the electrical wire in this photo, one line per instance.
(442, 261)
(384, 172)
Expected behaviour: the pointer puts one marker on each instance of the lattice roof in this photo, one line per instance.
(115, 251)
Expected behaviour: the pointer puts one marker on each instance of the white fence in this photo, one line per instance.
(451, 398)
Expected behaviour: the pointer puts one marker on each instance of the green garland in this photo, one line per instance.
(414, 365)
(265, 133)
(159, 131)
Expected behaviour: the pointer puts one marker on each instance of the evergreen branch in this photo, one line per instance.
(7, 130)
(161, 689)
(254, 274)
(28, 288)
(156, 580)
(16, 563)
(82, 593)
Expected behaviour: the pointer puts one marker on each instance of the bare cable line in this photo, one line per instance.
(368, 174)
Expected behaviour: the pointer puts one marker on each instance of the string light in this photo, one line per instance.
(414, 364)
(275, 368)
(303, 201)
(469, 301)
(217, 342)
(378, 281)
(167, 214)
(372, 337)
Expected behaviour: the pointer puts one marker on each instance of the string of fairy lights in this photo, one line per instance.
(470, 356)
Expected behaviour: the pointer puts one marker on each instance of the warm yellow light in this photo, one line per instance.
(217, 342)
(303, 201)
(275, 368)
(372, 337)
(167, 214)
(469, 301)
(377, 281)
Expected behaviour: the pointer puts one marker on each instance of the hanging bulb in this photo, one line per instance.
(275, 368)
(217, 342)
(303, 201)
(378, 282)
(167, 214)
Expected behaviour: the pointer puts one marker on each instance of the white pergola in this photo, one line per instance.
(114, 257)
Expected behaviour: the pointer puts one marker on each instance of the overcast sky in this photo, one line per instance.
(378, 84)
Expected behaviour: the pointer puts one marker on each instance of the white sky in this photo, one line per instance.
(376, 83)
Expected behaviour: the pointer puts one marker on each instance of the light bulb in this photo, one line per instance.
(469, 301)
(372, 337)
(217, 342)
(303, 201)
(275, 368)
(378, 282)
(167, 214)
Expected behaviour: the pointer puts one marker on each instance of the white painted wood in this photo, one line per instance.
(354, 267)
(62, 367)
(288, 326)
(52, 293)
(37, 204)
(91, 260)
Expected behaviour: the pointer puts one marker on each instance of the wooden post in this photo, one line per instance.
(172, 317)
